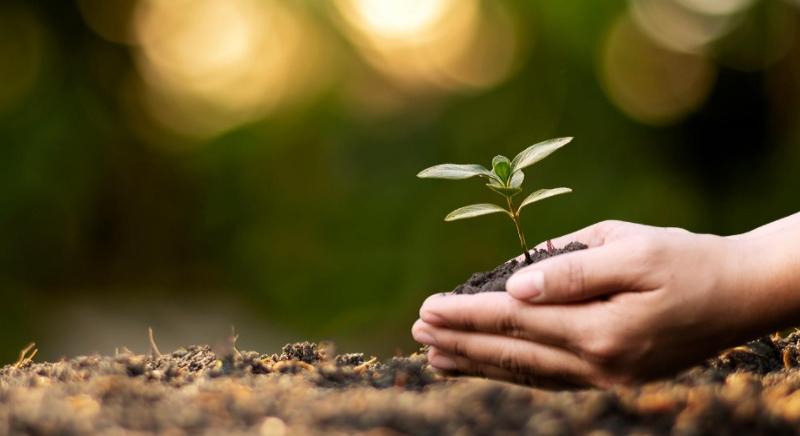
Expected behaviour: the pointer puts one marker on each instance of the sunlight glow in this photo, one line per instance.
(209, 65)
(401, 19)
(676, 27)
(649, 83)
(717, 7)
(425, 44)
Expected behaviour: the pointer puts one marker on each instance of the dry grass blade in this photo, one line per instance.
(234, 337)
(153, 347)
(24, 357)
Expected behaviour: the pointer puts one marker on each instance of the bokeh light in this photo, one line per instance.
(209, 65)
(675, 26)
(445, 44)
(401, 20)
(717, 7)
(648, 82)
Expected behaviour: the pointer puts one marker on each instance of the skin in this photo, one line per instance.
(640, 304)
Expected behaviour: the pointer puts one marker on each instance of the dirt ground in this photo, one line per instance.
(306, 389)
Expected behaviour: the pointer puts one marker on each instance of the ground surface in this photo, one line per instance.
(754, 389)
(308, 389)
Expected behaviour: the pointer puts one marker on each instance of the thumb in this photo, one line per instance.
(575, 276)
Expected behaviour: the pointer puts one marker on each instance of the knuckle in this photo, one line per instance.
(606, 226)
(603, 349)
(507, 326)
(575, 280)
(507, 321)
(510, 360)
(582, 332)
(456, 345)
(476, 370)
(677, 231)
(646, 249)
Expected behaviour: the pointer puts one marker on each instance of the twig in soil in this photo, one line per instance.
(366, 364)
(24, 357)
(153, 347)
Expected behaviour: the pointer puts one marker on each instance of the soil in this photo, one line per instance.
(495, 280)
(306, 389)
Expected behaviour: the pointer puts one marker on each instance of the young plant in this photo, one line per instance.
(505, 178)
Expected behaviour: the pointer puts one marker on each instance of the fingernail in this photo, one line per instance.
(526, 285)
(424, 337)
(443, 362)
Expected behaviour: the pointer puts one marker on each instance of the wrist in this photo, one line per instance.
(762, 280)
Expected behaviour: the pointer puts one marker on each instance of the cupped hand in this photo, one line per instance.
(640, 303)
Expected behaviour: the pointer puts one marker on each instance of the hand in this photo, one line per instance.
(640, 303)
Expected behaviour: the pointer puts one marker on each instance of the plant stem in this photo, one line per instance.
(515, 217)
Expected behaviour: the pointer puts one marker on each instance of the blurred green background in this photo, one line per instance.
(196, 164)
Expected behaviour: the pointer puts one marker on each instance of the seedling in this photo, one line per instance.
(505, 178)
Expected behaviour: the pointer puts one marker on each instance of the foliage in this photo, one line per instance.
(505, 178)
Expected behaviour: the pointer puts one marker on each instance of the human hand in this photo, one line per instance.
(641, 302)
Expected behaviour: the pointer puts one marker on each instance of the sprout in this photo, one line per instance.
(505, 178)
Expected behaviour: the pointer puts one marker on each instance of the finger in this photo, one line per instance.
(593, 236)
(462, 365)
(579, 275)
(511, 354)
(500, 313)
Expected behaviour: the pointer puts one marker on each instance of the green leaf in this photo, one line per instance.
(542, 194)
(505, 191)
(454, 172)
(501, 166)
(517, 179)
(474, 210)
(537, 152)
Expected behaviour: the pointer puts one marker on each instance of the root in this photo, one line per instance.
(24, 357)
(153, 347)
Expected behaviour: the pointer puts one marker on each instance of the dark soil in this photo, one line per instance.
(306, 389)
(495, 280)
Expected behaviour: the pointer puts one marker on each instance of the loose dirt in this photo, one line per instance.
(305, 389)
(495, 280)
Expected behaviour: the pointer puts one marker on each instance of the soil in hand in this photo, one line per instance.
(495, 280)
